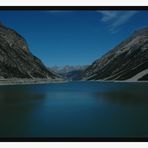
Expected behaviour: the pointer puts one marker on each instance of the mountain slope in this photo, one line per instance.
(16, 61)
(123, 62)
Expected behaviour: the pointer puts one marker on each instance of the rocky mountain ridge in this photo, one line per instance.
(123, 62)
(16, 61)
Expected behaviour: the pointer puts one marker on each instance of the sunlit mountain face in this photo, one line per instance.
(127, 61)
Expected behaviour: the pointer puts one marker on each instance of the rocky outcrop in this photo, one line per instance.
(123, 62)
(16, 61)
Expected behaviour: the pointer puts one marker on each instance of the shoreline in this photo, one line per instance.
(16, 81)
(114, 81)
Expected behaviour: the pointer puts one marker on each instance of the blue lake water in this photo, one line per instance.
(74, 109)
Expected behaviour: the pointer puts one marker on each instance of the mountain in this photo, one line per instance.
(16, 61)
(67, 68)
(73, 75)
(127, 61)
(69, 72)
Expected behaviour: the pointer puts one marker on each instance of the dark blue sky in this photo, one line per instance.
(73, 37)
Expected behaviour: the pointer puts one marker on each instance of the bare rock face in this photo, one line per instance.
(16, 61)
(123, 62)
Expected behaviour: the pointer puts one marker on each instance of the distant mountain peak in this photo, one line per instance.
(69, 72)
(67, 68)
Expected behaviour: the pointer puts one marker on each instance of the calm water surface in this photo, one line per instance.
(75, 109)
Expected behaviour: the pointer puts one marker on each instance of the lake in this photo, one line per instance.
(74, 109)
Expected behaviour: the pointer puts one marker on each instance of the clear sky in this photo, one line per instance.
(73, 37)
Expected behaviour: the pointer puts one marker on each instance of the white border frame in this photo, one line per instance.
(73, 2)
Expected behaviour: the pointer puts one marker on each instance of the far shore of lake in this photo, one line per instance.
(18, 81)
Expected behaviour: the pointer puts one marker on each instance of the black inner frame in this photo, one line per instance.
(73, 7)
(74, 139)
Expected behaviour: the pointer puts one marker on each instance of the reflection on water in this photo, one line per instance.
(132, 94)
(16, 104)
(75, 109)
(18, 94)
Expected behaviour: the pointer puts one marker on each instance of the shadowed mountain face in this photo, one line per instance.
(124, 61)
(16, 61)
